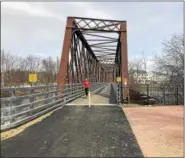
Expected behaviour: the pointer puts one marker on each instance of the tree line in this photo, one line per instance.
(15, 70)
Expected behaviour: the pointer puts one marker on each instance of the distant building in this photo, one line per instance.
(155, 77)
(143, 77)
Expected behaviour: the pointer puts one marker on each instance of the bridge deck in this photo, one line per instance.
(103, 95)
(75, 132)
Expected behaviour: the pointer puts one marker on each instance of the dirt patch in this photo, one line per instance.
(158, 130)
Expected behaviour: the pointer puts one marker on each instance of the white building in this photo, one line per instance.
(143, 77)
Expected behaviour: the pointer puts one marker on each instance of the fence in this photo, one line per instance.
(157, 94)
(116, 88)
(36, 101)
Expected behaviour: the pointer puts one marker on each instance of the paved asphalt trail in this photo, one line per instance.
(103, 95)
(76, 132)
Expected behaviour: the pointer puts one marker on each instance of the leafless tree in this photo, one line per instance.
(171, 61)
(8, 66)
(144, 60)
(32, 63)
(16, 69)
(49, 69)
(134, 66)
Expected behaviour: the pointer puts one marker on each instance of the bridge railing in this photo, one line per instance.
(36, 101)
(116, 92)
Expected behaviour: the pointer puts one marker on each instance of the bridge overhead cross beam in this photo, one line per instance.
(90, 49)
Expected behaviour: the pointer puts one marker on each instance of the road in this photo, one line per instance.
(76, 131)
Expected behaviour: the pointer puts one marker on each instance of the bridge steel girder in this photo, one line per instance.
(65, 53)
(81, 58)
(124, 62)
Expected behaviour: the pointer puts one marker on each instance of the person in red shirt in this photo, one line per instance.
(86, 85)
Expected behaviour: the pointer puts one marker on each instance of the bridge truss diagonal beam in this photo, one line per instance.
(95, 49)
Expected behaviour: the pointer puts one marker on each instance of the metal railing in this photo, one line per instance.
(158, 94)
(36, 101)
(115, 87)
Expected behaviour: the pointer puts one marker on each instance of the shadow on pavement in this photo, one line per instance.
(112, 97)
(107, 92)
(103, 93)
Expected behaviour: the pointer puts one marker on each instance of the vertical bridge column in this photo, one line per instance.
(65, 52)
(124, 62)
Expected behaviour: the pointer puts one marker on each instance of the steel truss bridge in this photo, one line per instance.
(95, 49)
(92, 48)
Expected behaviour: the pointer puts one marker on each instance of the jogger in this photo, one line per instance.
(86, 86)
(86, 91)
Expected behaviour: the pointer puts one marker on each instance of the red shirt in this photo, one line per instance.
(86, 84)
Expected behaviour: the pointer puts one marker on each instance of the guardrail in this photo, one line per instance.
(116, 92)
(36, 101)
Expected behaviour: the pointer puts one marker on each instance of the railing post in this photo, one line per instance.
(13, 93)
(46, 96)
(56, 93)
(32, 99)
(11, 107)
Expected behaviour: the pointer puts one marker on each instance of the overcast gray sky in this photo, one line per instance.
(38, 27)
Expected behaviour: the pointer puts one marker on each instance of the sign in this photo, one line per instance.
(118, 79)
(32, 77)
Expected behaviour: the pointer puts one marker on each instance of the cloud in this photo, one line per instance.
(26, 8)
(89, 9)
(39, 27)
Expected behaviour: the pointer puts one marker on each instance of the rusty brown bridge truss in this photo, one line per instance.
(95, 49)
